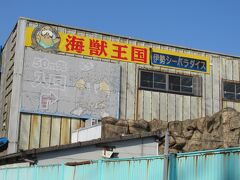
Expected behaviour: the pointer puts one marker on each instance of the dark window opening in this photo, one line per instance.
(174, 83)
(231, 91)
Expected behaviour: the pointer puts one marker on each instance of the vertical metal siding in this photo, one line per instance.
(204, 165)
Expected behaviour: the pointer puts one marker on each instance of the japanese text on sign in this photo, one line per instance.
(182, 61)
(90, 46)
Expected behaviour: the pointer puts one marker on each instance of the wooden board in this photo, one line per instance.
(171, 107)
(35, 131)
(209, 93)
(179, 107)
(131, 91)
(75, 124)
(55, 131)
(24, 131)
(123, 92)
(140, 105)
(147, 105)
(155, 106)
(65, 131)
(163, 107)
(216, 84)
(45, 131)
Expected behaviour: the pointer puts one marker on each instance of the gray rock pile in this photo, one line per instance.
(218, 131)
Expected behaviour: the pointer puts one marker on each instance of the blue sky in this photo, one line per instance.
(204, 24)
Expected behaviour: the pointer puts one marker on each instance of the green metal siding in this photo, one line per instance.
(223, 164)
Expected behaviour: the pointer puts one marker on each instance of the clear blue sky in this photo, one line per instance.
(212, 25)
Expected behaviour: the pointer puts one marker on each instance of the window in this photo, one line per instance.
(231, 91)
(164, 82)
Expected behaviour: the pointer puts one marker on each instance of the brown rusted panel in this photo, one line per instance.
(45, 131)
(35, 131)
(55, 131)
(24, 131)
(65, 131)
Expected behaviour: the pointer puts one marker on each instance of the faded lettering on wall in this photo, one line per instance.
(69, 86)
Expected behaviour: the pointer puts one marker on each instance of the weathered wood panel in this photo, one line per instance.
(147, 105)
(179, 107)
(163, 107)
(45, 131)
(55, 131)
(140, 105)
(123, 92)
(229, 76)
(131, 91)
(171, 107)
(155, 105)
(209, 92)
(65, 131)
(75, 124)
(236, 77)
(25, 122)
(35, 131)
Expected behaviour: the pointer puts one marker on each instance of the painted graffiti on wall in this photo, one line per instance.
(69, 86)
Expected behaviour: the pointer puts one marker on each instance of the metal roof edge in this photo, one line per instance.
(81, 144)
(209, 152)
(130, 38)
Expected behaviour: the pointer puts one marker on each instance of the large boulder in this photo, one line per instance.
(158, 125)
(109, 120)
(110, 131)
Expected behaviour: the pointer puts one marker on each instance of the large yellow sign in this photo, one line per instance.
(47, 38)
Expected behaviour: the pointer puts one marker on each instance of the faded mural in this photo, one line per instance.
(69, 86)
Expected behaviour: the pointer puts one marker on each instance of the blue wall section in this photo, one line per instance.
(223, 164)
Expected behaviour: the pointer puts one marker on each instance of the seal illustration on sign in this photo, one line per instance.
(45, 38)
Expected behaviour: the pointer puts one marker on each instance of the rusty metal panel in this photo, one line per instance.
(69, 86)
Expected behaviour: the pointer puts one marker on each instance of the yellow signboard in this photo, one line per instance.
(48, 39)
(180, 61)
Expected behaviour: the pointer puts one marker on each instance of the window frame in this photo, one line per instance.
(167, 74)
(235, 93)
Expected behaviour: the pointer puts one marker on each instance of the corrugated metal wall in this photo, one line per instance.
(205, 165)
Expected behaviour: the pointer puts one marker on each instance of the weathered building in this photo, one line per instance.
(54, 77)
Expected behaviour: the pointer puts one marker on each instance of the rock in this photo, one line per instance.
(175, 128)
(171, 141)
(122, 122)
(156, 125)
(187, 133)
(189, 124)
(196, 136)
(220, 130)
(192, 145)
(209, 124)
(227, 114)
(138, 124)
(180, 143)
(234, 122)
(136, 130)
(200, 124)
(211, 140)
(109, 120)
(188, 127)
(110, 131)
